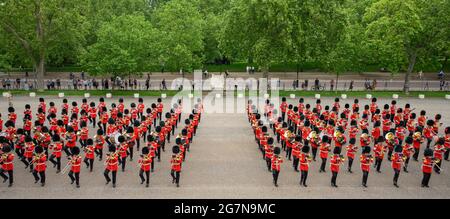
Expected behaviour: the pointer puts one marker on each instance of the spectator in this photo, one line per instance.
(147, 83)
(306, 84)
(163, 84)
(420, 75)
(351, 85)
(441, 84)
(82, 75)
(316, 84)
(331, 84)
(58, 83)
(441, 75)
(374, 84)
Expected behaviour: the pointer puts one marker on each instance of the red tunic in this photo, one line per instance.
(397, 161)
(57, 147)
(427, 165)
(76, 163)
(304, 162)
(90, 152)
(351, 149)
(335, 162)
(7, 162)
(439, 151)
(40, 163)
(176, 163)
(145, 162)
(276, 163)
(29, 149)
(365, 162)
(112, 162)
(324, 149)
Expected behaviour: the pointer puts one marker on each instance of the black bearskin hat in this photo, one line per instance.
(38, 149)
(121, 139)
(277, 150)
(428, 152)
(90, 141)
(305, 149)
(337, 150)
(176, 149)
(366, 150)
(145, 150)
(75, 150)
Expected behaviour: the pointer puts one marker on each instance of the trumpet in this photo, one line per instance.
(66, 167)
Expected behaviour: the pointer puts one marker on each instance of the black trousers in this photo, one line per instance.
(67, 151)
(275, 174)
(446, 154)
(314, 153)
(289, 153)
(10, 175)
(123, 162)
(99, 153)
(378, 162)
(295, 163)
(147, 175)
(365, 176)
(304, 176)
(333, 177)
(416, 153)
(131, 149)
(158, 153)
(93, 121)
(175, 176)
(83, 143)
(405, 167)
(114, 175)
(39, 176)
(396, 175)
(426, 179)
(56, 162)
(89, 163)
(429, 142)
(75, 177)
(269, 163)
(350, 163)
(283, 115)
(322, 166)
(19, 152)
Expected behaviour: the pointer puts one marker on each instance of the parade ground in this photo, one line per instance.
(224, 162)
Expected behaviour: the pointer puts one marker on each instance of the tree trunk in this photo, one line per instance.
(40, 72)
(412, 62)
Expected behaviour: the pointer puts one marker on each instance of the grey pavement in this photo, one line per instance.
(225, 162)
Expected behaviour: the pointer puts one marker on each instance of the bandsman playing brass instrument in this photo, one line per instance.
(335, 162)
(6, 162)
(305, 159)
(447, 143)
(276, 165)
(75, 166)
(296, 150)
(391, 142)
(351, 150)
(56, 148)
(176, 165)
(379, 150)
(366, 160)
(89, 156)
(439, 150)
(99, 142)
(418, 139)
(408, 149)
(397, 161)
(427, 166)
(111, 162)
(39, 159)
(144, 164)
(325, 147)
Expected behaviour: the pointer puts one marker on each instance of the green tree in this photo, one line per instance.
(257, 30)
(42, 26)
(181, 27)
(124, 46)
(402, 31)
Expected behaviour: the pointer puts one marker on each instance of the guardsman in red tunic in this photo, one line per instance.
(428, 132)
(141, 107)
(51, 110)
(439, 150)
(276, 165)
(391, 142)
(176, 165)
(335, 162)
(408, 149)
(397, 161)
(19, 143)
(160, 108)
(130, 141)
(379, 150)
(400, 132)
(1, 123)
(92, 114)
(393, 109)
(6, 160)
(427, 166)
(437, 123)
(71, 140)
(144, 163)
(305, 159)
(75, 166)
(28, 154)
(339, 137)
(75, 110)
(447, 143)
(366, 160)
(12, 116)
(39, 160)
(103, 120)
(153, 146)
(89, 156)
(418, 139)
(112, 164)
(283, 108)
(56, 148)
(123, 147)
(296, 150)
(386, 124)
(376, 131)
(351, 150)
(325, 147)
(99, 141)
(268, 153)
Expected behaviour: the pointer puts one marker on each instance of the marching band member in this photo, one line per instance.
(351, 150)
(336, 160)
(447, 143)
(28, 154)
(439, 150)
(427, 166)
(305, 159)
(397, 161)
(75, 163)
(39, 159)
(418, 139)
(99, 141)
(268, 152)
(283, 108)
(111, 162)
(144, 163)
(407, 150)
(379, 150)
(56, 148)
(92, 114)
(276, 165)
(324, 149)
(366, 160)
(89, 154)
(7, 162)
(428, 132)
(123, 147)
(176, 165)
(296, 150)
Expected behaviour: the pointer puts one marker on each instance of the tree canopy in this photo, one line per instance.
(122, 37)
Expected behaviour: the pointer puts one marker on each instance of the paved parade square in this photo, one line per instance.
(224, 162)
